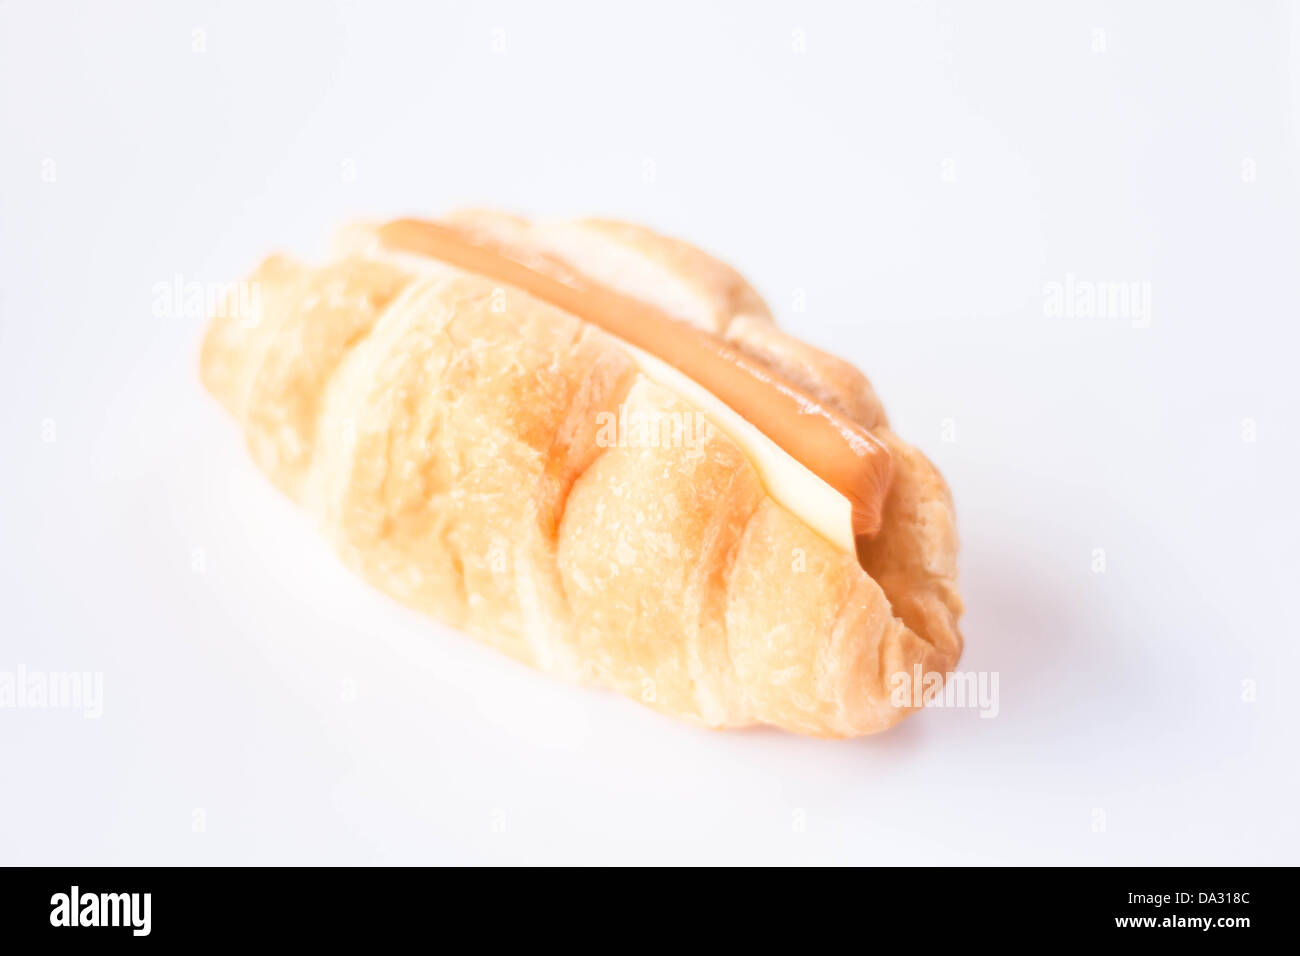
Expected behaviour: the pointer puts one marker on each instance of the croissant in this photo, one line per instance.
(471, 447)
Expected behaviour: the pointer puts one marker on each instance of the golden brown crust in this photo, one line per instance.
(445, 433)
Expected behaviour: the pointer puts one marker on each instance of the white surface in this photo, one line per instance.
(918, 175)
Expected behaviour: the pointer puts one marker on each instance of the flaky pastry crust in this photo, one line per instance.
(444, 431)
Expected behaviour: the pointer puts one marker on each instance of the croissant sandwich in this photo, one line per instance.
(589, 446)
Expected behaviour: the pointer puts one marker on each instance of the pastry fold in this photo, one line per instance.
(446, 433)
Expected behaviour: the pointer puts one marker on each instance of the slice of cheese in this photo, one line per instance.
(792, 485)
(789, 483)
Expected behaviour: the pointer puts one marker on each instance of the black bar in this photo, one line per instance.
(237, 905)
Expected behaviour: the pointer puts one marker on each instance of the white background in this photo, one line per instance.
(919, 174)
